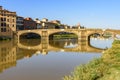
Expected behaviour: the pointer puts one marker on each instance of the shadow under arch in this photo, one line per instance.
(30, 39)
(30, 35)
(94, 35)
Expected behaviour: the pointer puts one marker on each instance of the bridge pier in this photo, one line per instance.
(82, 40)
(82, 36)
(82, 45)
(18, 38)
(45, 42)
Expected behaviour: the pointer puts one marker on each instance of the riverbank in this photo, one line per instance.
(4, 38)
(105, 68)
(64, 36)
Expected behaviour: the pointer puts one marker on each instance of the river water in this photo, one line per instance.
(35, 60)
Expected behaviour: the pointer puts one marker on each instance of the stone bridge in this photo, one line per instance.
(83, 34)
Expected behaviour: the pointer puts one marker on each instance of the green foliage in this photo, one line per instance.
(91, 71)
(64, 36)
(116, 42)
(4, 38)
(105, 68)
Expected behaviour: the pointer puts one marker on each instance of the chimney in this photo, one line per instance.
(0, 7)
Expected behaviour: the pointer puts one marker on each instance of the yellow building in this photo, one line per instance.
(54, 24)
(7, 22)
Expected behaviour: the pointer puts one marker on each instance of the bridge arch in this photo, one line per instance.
(30, 35)
(95, 34)
(95, 31)
(20, 33)
(26, 32)
(66, 33)
(60, 31)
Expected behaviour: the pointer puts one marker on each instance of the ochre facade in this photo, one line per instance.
(7, 22)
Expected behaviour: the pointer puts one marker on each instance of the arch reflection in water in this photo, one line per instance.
(58, 45)
(10, 51)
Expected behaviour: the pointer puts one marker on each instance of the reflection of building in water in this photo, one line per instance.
(7, 55)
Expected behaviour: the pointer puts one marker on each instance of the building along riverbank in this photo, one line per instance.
(105, 68)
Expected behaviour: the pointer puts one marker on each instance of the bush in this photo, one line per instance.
(100, 69)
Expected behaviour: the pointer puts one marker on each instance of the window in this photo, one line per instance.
(4, 14)
(1, 19)
(7, 25)
(7, 20)
(13, 20)
(3, 29)
(2, 24)
(13, 25)
(4, 19)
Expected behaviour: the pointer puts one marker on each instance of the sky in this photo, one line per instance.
(89, 13)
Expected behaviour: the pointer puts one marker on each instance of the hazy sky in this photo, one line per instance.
(89, 13)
